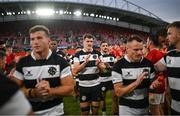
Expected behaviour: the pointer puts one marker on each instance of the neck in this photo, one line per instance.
(88, 50)
(104, 52)
(131, 59)
(178, 46)
(41, 55)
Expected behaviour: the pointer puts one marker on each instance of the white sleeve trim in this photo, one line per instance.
(162, 61)
(18, 75)
(152, 75)
(66, 72)
(116, 77)
(75, 59)
(160, 65)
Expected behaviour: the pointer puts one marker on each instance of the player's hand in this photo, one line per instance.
(140, 78)
(42, 88)
(87, 58)
(155, 84)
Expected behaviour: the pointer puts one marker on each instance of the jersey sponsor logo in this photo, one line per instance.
(128, 74)
(28, 73)
(168, 60)
(52, 71)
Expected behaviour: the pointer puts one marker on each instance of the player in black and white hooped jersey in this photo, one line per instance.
(171, 63)
(45, 75)
(86, 64)
(106, 78)
(132, 77)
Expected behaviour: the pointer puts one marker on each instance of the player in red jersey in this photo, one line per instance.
(156, 97)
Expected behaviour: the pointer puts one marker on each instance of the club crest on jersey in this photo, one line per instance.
(103, 88)
(52, 71)
(94, 56)
(111, 58)
(83, 98)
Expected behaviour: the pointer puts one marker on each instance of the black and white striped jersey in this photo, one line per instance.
(88, 77)
(52, 69)
(172, 62)
(126, 72)
(109, 60)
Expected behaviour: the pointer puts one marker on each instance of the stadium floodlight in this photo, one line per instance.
(33, 12)
(28, 12)
(117, 19)
(13, 13)
(45, 12)
(96, 15)
(61, 12)
(19, 13)
(92, 15)
(114, 18)
(70, 12)
(9, 13)
(78, 13)
(2, 14)
(56, 12)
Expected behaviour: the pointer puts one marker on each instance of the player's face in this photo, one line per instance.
(135, 50)
(53, 45)
(88, 43)
(162, 41)
(39, 41)
(104, 47)
(173, 35)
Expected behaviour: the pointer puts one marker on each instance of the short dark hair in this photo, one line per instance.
(87, 35)
(104, 42)
(39, 28)
(162, 33)
(134, 37)
(174, 24)
(54, 39)
(154, 39)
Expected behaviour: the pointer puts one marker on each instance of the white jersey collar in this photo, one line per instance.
(130, 60)
(49, 54)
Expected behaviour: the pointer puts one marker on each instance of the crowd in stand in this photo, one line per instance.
(141, 70)
(70, 34)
